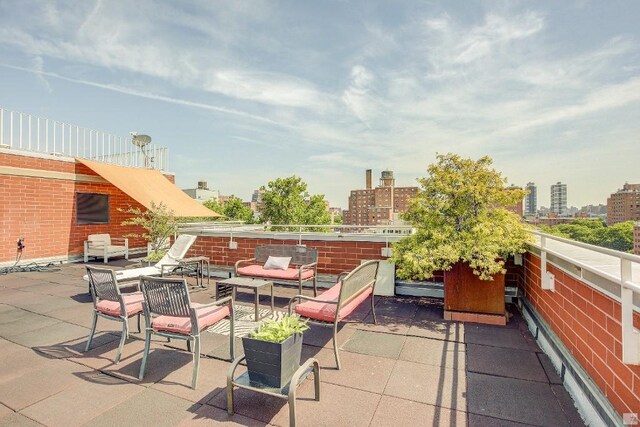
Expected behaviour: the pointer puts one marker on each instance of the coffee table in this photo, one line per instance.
(246, 282)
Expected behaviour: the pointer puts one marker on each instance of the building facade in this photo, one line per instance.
(624, 204)
(559, 198)
(380, 205)
(202, 193)
(531, 199)
(636, 238)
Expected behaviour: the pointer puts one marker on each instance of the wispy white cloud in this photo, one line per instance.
(352, 89)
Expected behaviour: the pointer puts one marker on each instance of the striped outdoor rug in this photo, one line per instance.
(244, 320)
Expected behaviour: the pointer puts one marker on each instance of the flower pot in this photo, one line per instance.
(272, 363)
(464, 292)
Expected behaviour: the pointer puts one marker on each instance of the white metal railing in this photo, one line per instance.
(23, 131)
(630, 335)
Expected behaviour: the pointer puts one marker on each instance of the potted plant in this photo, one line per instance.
(464, 228)
(273, 351)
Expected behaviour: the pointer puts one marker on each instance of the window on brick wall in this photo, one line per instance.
(92, 208)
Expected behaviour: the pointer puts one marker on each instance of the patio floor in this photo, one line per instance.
(411, 369)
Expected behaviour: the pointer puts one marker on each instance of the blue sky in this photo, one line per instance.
(243, 92)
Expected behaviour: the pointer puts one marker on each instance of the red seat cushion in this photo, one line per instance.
(182, 325)
(288, 274)
(327, 312)
(132, 305)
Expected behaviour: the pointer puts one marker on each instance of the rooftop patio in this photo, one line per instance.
(412, 368)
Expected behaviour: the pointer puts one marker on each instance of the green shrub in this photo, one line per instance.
(279, 330)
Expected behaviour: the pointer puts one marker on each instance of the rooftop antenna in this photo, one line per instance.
(141, 141)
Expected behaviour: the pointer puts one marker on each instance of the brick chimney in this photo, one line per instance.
(368, 179)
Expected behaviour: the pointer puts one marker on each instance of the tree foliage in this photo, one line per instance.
(595, 232)
(460, 215)
(233, 209)
(287, 201)
(159, 224)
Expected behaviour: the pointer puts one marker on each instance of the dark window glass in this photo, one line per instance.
(92, 208)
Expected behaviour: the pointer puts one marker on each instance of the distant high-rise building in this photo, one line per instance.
(380, 205)
(531, 199)
(624, 204)
(559, 198)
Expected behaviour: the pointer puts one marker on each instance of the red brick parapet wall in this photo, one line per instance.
(588, 323)
(42, 209)
(334, 257)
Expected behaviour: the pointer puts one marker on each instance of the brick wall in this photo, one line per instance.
(42, 210)
(334, 257)
(588, 323)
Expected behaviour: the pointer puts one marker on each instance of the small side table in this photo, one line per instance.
(197, 263)
(246, 282)
(288, 392)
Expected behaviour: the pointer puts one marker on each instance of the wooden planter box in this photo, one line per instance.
(469, 299)
(271, 363)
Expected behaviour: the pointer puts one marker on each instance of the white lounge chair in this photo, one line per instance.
(101, 246)
(168, 262)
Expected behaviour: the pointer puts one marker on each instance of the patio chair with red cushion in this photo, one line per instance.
(110, 303)
(169, 313)
(336, 303)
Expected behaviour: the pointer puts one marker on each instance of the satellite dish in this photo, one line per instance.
(140, 140)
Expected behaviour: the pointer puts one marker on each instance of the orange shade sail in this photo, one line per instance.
(147, 186)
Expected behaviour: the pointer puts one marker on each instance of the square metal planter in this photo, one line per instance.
(272, 364)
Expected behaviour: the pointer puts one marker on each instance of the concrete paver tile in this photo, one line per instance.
(76, 405)
(438, 386)
(358, 371)
(512, 399)
(150, 407)
(449, 354)
(441, 330)
(208, 415)
(522, 364)
(212, 379)
(394, 412)
(375, 344)
(36, 385)
(338, 406)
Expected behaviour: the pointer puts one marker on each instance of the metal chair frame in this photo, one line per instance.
(355, 276)
(170, 297)
(107, 289)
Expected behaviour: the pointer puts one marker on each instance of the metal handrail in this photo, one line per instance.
(26, 132)
(630, 335)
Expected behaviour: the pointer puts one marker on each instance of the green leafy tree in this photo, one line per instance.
(159, 224)
(595, 232)
(460, 215)
(234, 209)
(287, 201)
(214, 205)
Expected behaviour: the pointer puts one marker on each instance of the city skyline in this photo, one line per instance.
(242, 94)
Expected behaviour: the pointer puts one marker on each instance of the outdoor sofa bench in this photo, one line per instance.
(303, 266)
(333, 305)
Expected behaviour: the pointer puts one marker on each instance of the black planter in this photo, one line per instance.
(271, 363)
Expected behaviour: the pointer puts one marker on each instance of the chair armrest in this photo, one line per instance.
(313, 265)
(221, 301)
(242, 261)
(306, 298)
(342, 275)
(168, 267)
